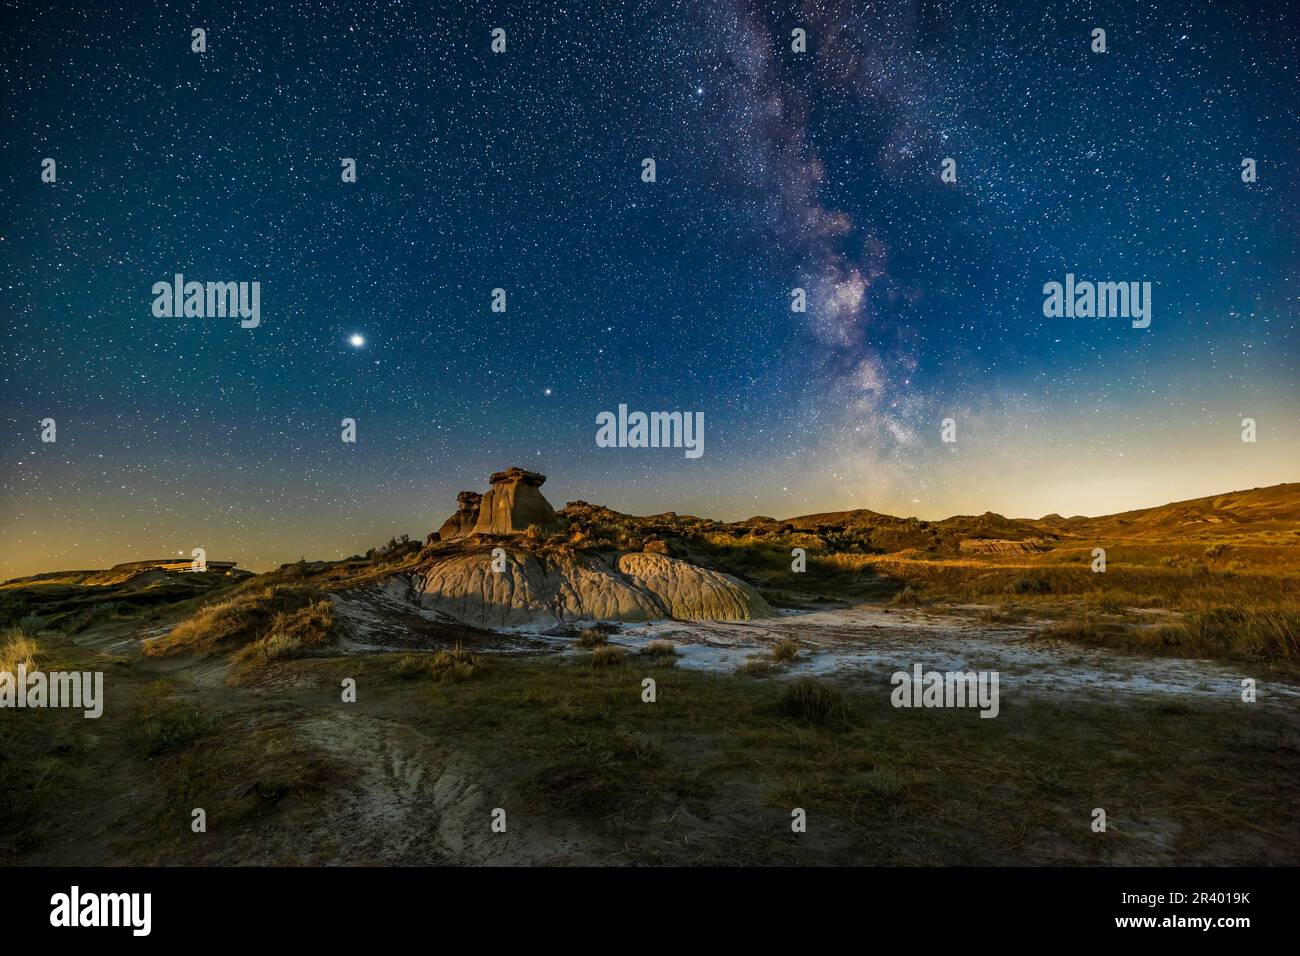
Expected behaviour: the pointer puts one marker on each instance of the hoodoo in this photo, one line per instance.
(513, 503)
(549, 577)
(466, 516)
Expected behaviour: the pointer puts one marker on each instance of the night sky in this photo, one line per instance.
(522, 171)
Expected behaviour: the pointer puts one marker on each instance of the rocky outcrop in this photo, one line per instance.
(1002, 546)
(513, 503)
(531, 582)
(466, 516)
(689, 593)
(558, 587)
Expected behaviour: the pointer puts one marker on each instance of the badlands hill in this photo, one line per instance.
(506, 558)
(1275, 508)
(588, 561)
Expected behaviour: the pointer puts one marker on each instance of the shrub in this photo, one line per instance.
(908, 597)
(606, 656)
(883, 782)
(665, 653)
(592, 637)
(1002, 615)
(1219, 631)
(1030, 586)
(395, 550)
(455, 665)
(813, 701)
(1168, 635)
(785, 650)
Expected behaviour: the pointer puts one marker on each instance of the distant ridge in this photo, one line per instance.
(1273, 508)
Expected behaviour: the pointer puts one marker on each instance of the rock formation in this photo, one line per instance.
(550, 582)
(513, 503)
(466, 516)
(689, 593)
(1002, 546)
(565, 586)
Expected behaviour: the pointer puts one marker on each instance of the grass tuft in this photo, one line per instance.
(452, 666)
(592, 637)
(907, 597)
(813, 701)
(18, 649)
(785, 650)
(664, 653)
(164, 723)
(607, 656)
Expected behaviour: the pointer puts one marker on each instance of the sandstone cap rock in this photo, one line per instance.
(518, 474)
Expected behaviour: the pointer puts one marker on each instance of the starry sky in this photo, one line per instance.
(521, 170)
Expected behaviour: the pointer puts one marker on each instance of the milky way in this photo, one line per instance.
(777, 169)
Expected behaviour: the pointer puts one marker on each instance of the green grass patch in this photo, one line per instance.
(163, 723)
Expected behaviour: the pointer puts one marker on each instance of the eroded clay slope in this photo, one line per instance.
(555, 588)
(690, 593)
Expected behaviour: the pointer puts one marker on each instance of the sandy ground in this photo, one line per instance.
(873, 641)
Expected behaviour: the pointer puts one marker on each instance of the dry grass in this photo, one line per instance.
(813, 701)
(1250, 610)
(1268, 634)
(592, 637)
(607, 656)
(785, 650)
(454, 665)
(293, 633)
(663, 653)
(907, 597)
(163, 723)
(249, 614)
(18, 650)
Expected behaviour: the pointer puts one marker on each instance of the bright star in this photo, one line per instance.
(357, 340)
